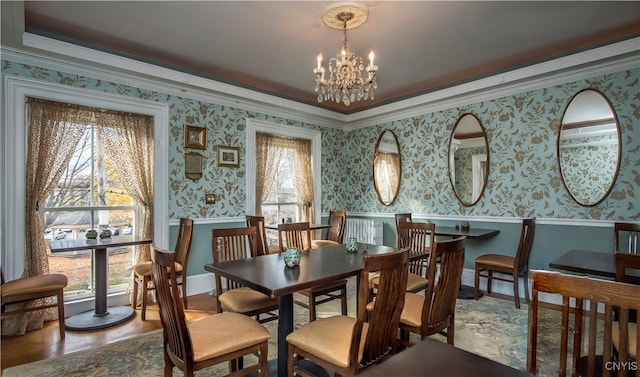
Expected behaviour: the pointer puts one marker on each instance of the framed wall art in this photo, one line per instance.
(195, 137)
(193, 166)
(228, 156)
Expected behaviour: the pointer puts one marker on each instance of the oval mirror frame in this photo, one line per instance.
(387, 187)
(471, 135)
(595, 127)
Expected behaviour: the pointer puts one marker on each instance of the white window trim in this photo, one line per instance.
(14, 145)
(254, 126)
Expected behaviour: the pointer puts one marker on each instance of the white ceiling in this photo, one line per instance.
(271, 46)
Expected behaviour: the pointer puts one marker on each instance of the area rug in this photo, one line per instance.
(490, 327)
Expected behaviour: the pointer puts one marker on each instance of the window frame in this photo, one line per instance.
(254, 126)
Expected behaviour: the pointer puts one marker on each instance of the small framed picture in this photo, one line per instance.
(193, 166)
(195, 137)
(228, 156)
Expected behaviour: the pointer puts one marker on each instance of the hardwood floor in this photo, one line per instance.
(45, 343)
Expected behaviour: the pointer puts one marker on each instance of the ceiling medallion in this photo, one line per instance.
(346, 82)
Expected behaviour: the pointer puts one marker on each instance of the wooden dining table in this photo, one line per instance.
(435, 358)
(269, 275)
(596, 263)
(102, 316)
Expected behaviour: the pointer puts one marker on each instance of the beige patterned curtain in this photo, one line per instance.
(128, 142)
(303, 177)
(268, 156)
(270, 149)
(54, 130)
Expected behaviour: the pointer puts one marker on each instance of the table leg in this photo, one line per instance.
(285, 327)
(100, 317)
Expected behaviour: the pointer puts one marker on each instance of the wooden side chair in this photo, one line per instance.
(577, 292)
(219, 338)
(32, 293)
(401, 217)
(235, 244)
(299, 235)
(263, 247)
(142, 271)
(625, 262)
(418, 239)
(335, 234)
(347, 345)
(516, 266)
(434, 312)
(626, 237)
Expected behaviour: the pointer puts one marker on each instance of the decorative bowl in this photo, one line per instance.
(106, 233)
(352, 244)
(292, 257)
(91, 234)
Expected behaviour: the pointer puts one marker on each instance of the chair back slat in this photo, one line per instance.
(383, 321)
(258, 222)
(176, 336)
(183, 243)
(595, 294)
(294, 235)
(401, 217)
(337, 220)
(626, 237)
(525, 244)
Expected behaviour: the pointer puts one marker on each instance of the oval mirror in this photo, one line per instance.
(387, 167)
(468, 159)
(589, 147)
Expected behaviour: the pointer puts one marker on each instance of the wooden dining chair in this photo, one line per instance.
(263, 246)
(335, 234)
(232, 244)
(401, 217)
(347, 345)
(299, 235)
(142, 270)
(34, 293)
(215, 339)
(581, 297)
(434, 312)
(514, 266)
(626, 237)
(418, 239)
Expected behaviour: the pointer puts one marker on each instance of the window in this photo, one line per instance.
(286, 193)
(90, 193)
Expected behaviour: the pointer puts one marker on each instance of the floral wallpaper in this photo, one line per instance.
(523, 180)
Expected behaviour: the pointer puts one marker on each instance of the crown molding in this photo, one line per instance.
(70, 58)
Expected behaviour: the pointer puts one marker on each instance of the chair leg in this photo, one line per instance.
(526, 286)
(516, 291)
(61, 319)
(143, 306)
(489, 281)
(451, 331)
(476, 283)
(134, 303)
(264, 363)
(343, 299)
(312, 307)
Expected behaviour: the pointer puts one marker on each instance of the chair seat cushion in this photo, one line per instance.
(615, 336)
(412, 311)
(328, 339)
(244, 299)
(34, 284)
(414, 282)
(144, 268)
(224, 333)
(319, 243)
(497, 260)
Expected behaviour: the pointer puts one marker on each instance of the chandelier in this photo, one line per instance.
(348, 80)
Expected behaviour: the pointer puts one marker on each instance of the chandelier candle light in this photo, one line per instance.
(346, 82)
